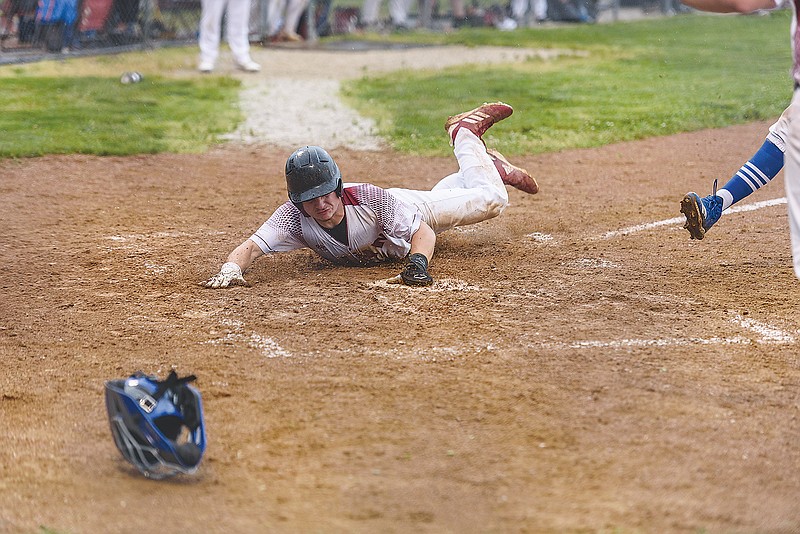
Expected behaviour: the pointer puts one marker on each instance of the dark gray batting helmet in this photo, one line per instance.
(311, 173)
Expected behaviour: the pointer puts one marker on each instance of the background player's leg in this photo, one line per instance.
(238, 34)
(702, 213)
(793, 179)
(210, 26)
(757, 172)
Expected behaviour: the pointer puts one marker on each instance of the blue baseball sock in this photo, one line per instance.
(755, 174)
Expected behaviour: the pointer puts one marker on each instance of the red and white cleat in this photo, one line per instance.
(513, 175)
(478, 120)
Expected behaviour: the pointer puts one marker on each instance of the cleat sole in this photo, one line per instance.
(694, 221)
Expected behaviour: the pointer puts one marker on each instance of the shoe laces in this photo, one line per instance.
(713, 205)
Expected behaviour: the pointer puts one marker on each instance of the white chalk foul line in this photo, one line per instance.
(768, 335)
(439, 285)
(680, 220)
(268, 346)
(664, 342)
(539, 237)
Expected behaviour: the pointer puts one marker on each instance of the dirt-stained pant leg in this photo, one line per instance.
(473, 194)
(792, 177)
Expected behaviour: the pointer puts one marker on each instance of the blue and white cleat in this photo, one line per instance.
(701, 213)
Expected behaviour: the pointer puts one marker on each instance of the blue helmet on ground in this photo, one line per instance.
(157, 425)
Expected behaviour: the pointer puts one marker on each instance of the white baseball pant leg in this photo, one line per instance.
(540, 9)
(518, 9)
(275, 9)
(210, 25)
(294, 11)
(792, 177)
(398, 11)
(473, 194)
(238, 30)
(369, 12)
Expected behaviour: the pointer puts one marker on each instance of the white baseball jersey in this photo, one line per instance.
(379, 228)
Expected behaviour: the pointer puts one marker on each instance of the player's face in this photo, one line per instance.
(327, 210)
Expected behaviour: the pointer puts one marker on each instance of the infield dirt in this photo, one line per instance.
(564, 374)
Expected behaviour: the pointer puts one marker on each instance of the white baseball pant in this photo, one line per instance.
(276, 21)
(473, 194)
(792, 176)
(237, 29)
(398, 11)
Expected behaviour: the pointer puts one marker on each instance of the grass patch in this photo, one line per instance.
(636, 80)
(79, 106)
(630, 81)
(94, 115)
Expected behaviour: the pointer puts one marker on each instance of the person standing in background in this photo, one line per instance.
(398, 13)
(283, 17)
(458, 12)
(519, 11)
(236, 31)
(701, 215)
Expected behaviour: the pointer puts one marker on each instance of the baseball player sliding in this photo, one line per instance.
(362, 224)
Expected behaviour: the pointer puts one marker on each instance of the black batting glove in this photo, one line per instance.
(416, 271)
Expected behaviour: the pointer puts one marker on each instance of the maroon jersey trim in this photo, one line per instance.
(349, 196)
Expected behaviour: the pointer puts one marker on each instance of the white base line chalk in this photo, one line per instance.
(680, 220)
(766, 335)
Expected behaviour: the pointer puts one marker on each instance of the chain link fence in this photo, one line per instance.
(33, 27)
(60, 25)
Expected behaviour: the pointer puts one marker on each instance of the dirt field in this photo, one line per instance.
(579, 365)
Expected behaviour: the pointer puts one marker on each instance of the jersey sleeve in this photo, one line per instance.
(282, 232)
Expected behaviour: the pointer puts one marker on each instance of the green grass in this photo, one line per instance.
(618, 82)
(95, 115)
(78, 105)
(638, 80)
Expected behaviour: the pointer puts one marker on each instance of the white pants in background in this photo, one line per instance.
(276, 21)
(398, 11)
(520, 7)
(236, 30)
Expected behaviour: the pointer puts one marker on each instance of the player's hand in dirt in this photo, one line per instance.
(416, 271)
(229, 275)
